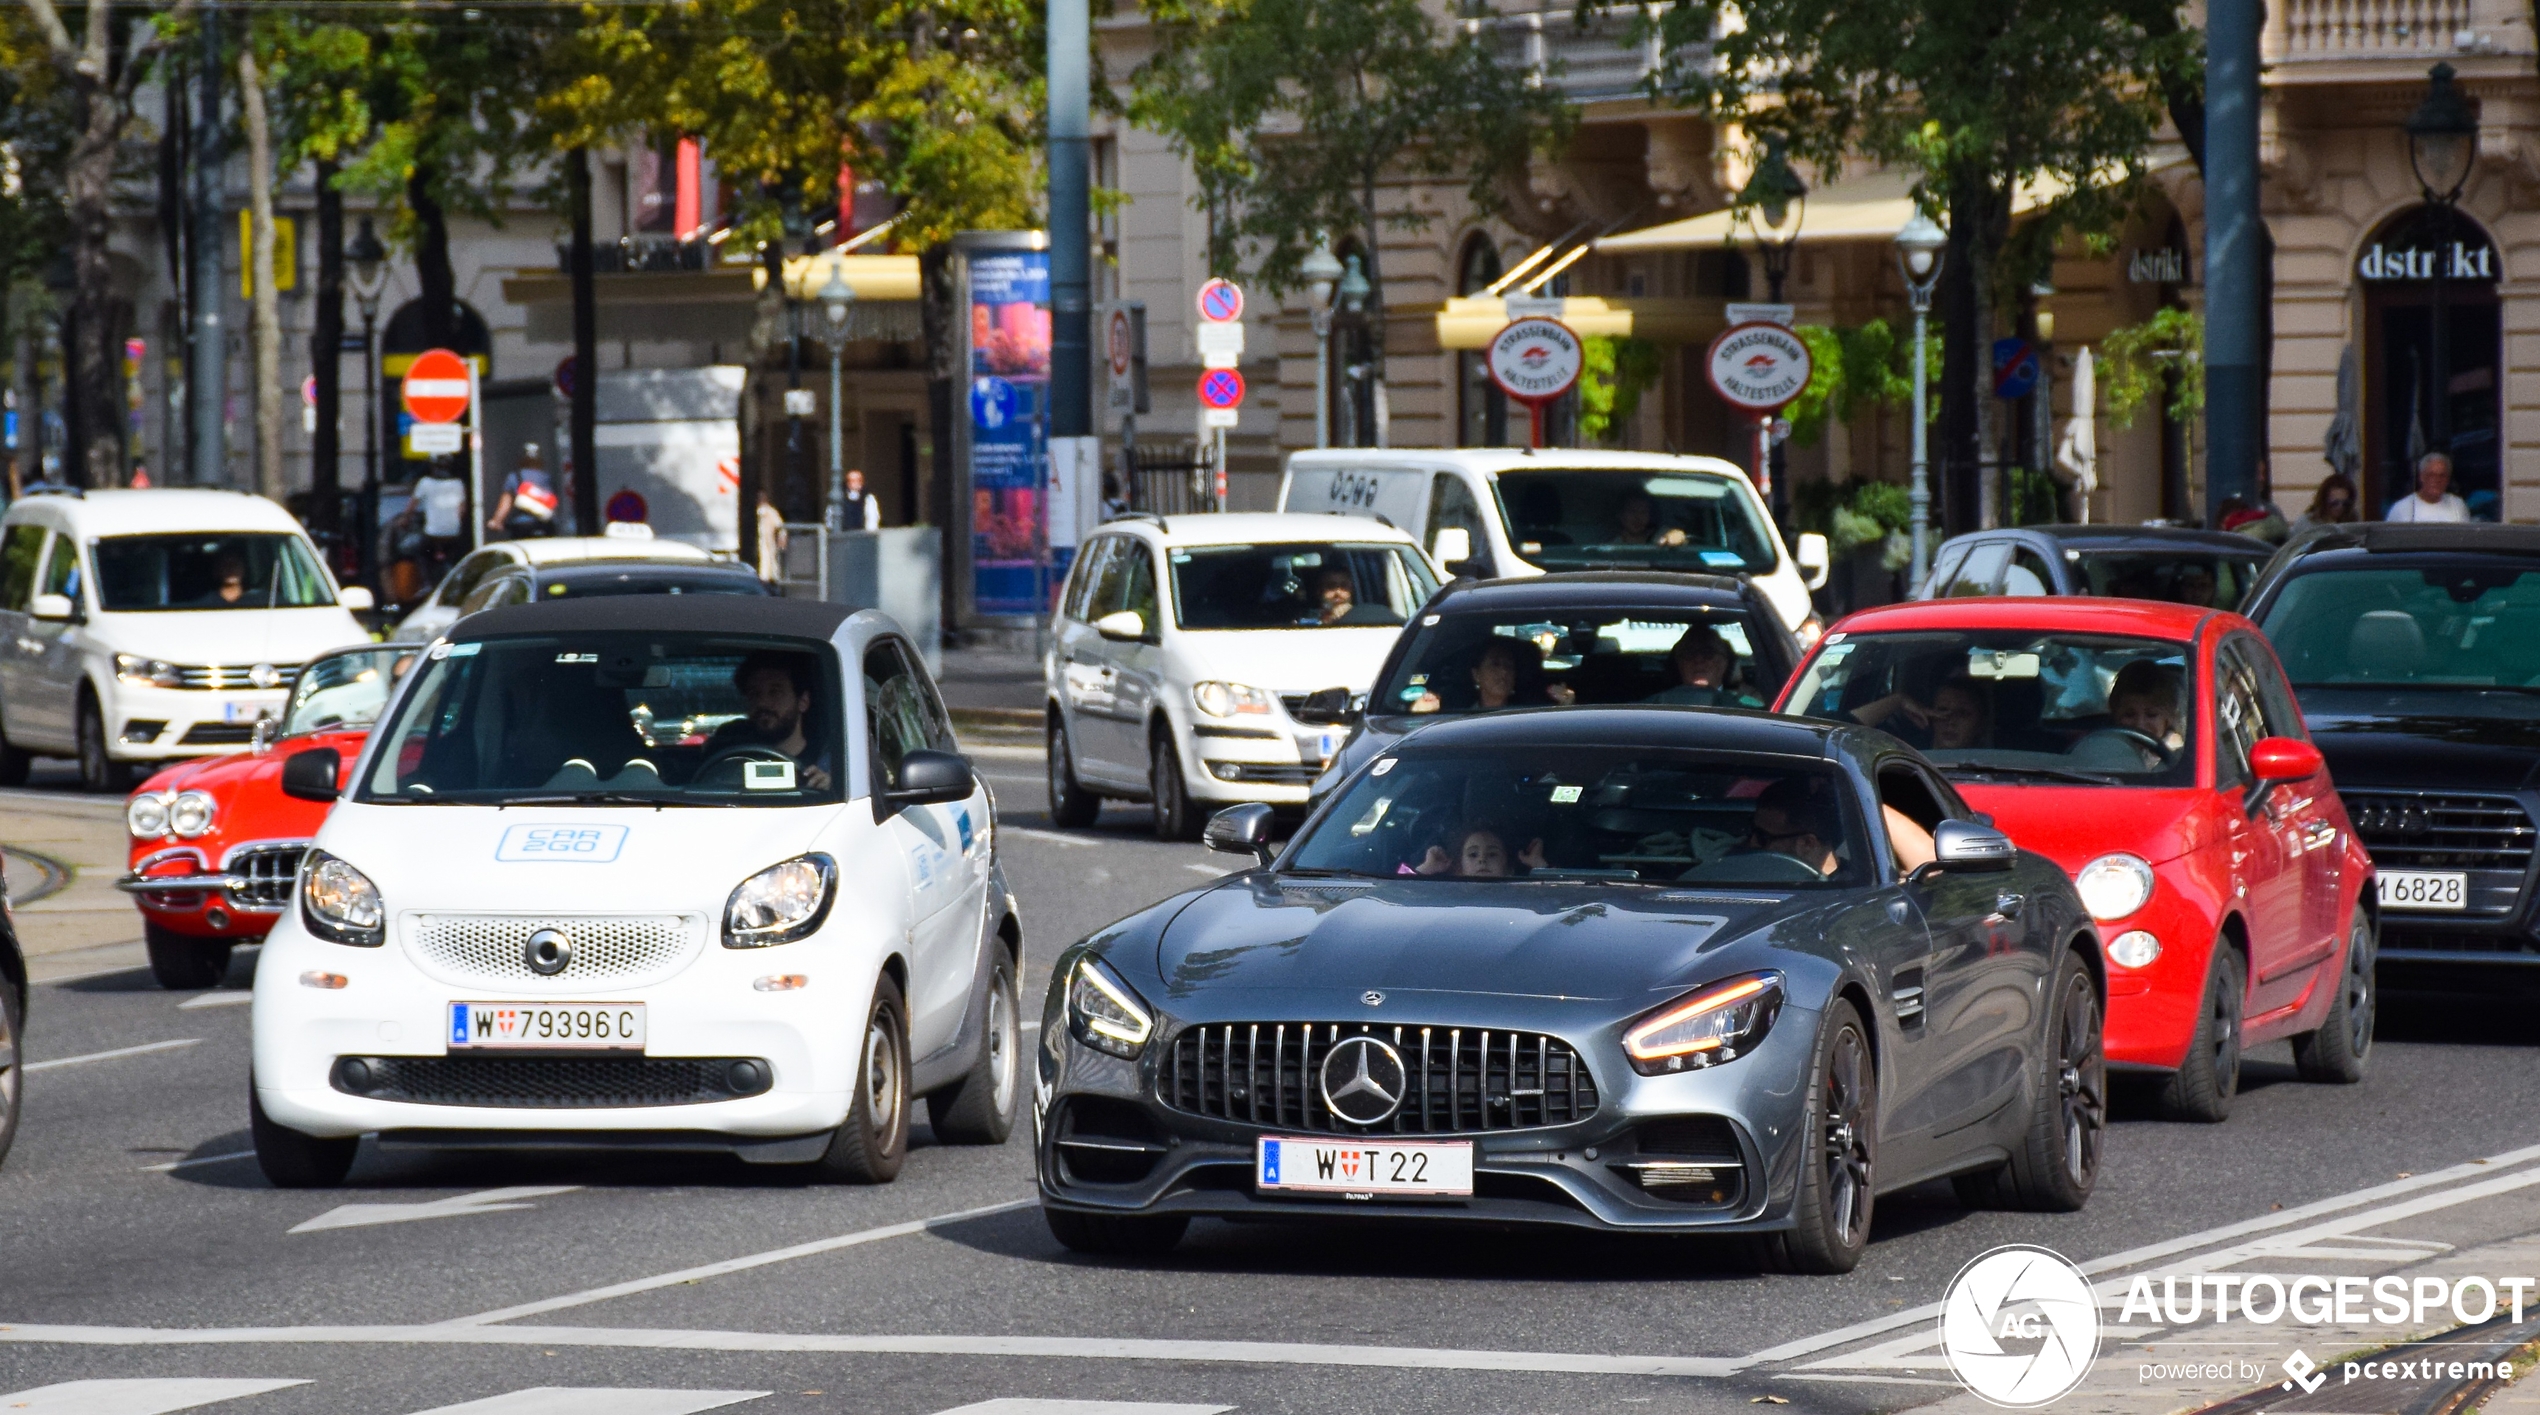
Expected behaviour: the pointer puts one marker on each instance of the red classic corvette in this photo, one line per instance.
(2156, 753)
(215, 842)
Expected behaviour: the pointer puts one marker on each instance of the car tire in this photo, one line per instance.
(873, 1142)
(2335, 1053)
(2055, 1165)
(292, 1160)
(1175, 818)
(2202, 1087)
(1838, 1171)
(15, 764)
(1116, 1235)
(979, 1109)
(12, 1062)
(99, 773)
(1071, 805)
(183, 962)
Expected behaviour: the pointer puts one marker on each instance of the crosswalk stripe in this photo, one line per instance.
(1013, 1406)
(132, 1397)
(598, 1400)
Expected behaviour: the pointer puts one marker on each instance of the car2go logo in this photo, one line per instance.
(579, 844)
(2020, 1326)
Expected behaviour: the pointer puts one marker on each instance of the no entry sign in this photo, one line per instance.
(1221, 388)
(436, 387)
(1757, 367)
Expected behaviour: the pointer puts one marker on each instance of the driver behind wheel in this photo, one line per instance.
(2144, 699)
(1796, 816)
(779, 689)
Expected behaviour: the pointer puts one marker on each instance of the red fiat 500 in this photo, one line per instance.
(2155, 752)
(215, 841)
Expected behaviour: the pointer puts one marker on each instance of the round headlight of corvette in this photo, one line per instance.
(191, 813)
(146, 815)
(2114, 886)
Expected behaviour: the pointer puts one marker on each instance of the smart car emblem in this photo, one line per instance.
(1372, 998)
(547, 953)
(1363, 1080)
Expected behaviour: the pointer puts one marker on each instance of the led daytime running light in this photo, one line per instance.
(1109, 1017)
(1719, 1023)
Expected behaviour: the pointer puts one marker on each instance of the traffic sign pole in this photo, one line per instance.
(475, 458)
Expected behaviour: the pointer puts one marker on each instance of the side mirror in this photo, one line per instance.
(50, 606)
(1241, 830)
(2280, 759)
(931, 779)
(1450, 544)
(1120, 626)
(356, 599)
(1966, 846)
(310, 775)
(1333, 705)
(1816, 559)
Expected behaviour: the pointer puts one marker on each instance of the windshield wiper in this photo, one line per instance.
(604, 798)
(2042, 773)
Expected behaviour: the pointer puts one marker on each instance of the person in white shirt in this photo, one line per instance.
(862, 512)
(2433, 500)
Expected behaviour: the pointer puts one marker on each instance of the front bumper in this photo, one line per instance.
(171, 724)
(1276, 761)
(176, 888)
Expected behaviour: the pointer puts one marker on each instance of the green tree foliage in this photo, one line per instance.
(1613, 374)
(2133, 360)
(1851, 371)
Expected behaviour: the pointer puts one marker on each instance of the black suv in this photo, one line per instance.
(1588, 639)
(2175, 563)
(2415, 651)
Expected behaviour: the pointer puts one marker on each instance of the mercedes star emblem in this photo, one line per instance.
(1363, 1080)
(1372, 998)
(547, 953)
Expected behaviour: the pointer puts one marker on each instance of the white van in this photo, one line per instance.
(1505, 511)
(148, 625)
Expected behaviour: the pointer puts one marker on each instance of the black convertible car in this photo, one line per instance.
(1644, 968)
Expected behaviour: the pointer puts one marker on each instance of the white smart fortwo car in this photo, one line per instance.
(645, 872)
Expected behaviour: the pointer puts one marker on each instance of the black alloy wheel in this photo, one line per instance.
(2335, 1053)
(1838, 1177)
(2081, 1080)
(1175, 819)
(2205, 1082)
(99, 772)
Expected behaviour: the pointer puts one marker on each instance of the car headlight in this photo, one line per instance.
(147, 672)
(2114, 886)
(339, 903)
(146, 815)
(1718, 1023)
(191, 813)
(1232, 699)
(786, 901)
(1105, 1013)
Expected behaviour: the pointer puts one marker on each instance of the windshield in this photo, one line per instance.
(1623, 813)
(2213, 581)
(2013, 704)
(1478, 662)
(340, 691)
(1298, 586)
(2468, 633)
(627, 717)
(1569, 519)
(219, 570)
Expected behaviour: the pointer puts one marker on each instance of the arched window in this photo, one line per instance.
(1482, 409)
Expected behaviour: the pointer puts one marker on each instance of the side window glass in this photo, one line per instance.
(894, 723)
(2283, 713)
(1081, 580)
(18, 549)
(61, 573)
(1951, 557)
(930, 704)
(471, 570)
(1111, 592)
(2239, 716)
(1452, 508)
(1139, 584)
(2028, 574)
(1983, 572)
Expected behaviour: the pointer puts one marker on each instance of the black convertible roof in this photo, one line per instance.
(2384, 538)
(2154, 538)
(1638, 726)
(1586, 589)
(729, 614)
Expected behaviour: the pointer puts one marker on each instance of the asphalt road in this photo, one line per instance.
(137, 1242)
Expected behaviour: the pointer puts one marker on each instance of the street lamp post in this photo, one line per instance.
(835, 299)
(370, 276)
(1354, 291)
(1322, 270)
(1919, 250)
(1775, 201)
(2442, 140)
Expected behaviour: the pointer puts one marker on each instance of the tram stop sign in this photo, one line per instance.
(436, 387)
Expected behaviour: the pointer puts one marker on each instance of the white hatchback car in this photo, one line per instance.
(626, 540)
(1202, 661)
(686, 873)
(146, 626)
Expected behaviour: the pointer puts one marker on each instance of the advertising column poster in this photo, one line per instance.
(1009, 431)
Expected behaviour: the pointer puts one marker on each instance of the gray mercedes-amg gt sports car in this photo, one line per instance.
(1644, 968)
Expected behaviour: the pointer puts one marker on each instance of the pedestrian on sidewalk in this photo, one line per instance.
(2433, 499)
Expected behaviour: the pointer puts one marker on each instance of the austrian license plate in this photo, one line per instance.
(1358, 1167)
(546, 1026)
(243, 712)
(2424, 889)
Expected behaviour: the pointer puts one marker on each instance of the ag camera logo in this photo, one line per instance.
(2020, 1326)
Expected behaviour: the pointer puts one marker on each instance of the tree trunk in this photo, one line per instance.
(586, 360)
(265, 313)
(326, 357)
(438, 286)
(96, 374)
(1979, 224)
(1375, 307)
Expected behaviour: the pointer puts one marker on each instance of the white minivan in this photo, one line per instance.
(1503, 511)
(143, 626)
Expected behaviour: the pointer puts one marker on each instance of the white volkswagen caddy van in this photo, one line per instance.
(645, 871)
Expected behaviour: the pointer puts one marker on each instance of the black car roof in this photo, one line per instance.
(2384, 538)
(730, 614)
(2153, 538)
(1592, 589)
(1639, 726)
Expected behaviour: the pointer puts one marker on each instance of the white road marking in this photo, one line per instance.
(733, 1265)
(142, 1049)
(1012, 1406)
(131, 1397)
(598, 1400)
(488, 1201)
(174, 1165)
(1014, 778)
(1032, 1026)
(1212, 871)
(1053, 837)
(239, 998)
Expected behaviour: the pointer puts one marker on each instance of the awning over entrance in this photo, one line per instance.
(1469, 321)
(1871, 207)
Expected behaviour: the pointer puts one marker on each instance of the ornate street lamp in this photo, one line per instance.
(1775, 201)
(1322, 270)
(1354, 291)
(369, 260)
(2442, 142)
(835, 300)
(1920, 248)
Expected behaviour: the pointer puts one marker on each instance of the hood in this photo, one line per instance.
(464, 859)
(2073, 825)
(259, 773)
(1287, 660)
(1445, 937)
(2429, 753)
(227, 636)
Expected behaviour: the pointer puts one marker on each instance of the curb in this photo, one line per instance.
(997, 719)
(54, 877)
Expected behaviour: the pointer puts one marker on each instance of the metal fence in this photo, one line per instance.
(1171, 479)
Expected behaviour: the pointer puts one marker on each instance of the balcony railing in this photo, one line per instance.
(1613, 54)
(2312, 31)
